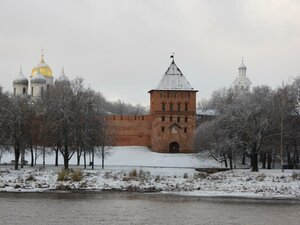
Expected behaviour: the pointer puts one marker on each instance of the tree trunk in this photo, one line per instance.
(84, 158)
(225, 160)
(102, 152)
(22, 158)
(254, 161)
(230, 161)
(66, 158)
(93, 158)
(78, 157)
(17, 156)
(56, 156)
(32, 156)
(264, 159)
(44, 156)
(269, 162)
(244, 159)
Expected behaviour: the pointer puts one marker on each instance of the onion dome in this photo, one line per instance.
(20, 79)
(63, 76)
(173, 79)
(242, 66)
(38, 79)
(43, 69)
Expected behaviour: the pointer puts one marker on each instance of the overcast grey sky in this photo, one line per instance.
(122, 47)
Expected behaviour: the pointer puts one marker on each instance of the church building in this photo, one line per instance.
(242, 83)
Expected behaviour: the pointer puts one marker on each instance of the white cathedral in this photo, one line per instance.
(242, 83)
(41, 79)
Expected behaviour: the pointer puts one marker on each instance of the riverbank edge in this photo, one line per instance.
(183, 195)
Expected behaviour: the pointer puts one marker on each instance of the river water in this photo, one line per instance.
(129, 208)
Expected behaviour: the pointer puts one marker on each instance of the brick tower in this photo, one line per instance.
(173, 108)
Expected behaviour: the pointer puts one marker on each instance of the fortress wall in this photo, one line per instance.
(131, 130)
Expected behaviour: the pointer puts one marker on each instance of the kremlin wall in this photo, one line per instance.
(169, 127)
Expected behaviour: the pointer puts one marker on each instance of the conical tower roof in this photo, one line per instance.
(173, 79)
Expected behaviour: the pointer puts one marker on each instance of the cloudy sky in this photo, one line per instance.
(122, 47)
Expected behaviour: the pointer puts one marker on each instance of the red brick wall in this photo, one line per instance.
(131, 130)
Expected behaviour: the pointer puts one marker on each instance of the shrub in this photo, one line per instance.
(63, 175)
(260, 177)
(200, 175)
(295, 175)
(30, 178)
(133, 173)
(76, 175)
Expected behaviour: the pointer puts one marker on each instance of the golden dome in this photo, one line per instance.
(42, 68)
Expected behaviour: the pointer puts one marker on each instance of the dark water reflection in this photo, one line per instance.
(127, 208)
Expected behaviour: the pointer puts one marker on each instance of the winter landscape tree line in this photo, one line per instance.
(68, 119)
(263, 124)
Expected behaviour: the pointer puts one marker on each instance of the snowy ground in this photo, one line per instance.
(167, 173)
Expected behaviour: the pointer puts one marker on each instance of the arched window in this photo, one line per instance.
(42, 91)
(15, 92)
(163, 118)
(24, 91)
(178, 119)
(171, 107)
(171, 118)
(178, 107)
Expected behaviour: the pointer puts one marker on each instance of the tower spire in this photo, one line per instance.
(42, 54)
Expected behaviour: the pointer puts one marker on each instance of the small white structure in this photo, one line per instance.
(242, 83)
(38, 85)
(20, 84)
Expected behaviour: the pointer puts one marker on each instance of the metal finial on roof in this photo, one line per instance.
(42, 51)
(172, 57)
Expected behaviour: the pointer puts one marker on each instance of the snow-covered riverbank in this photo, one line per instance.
(139, 169)
(242, 183)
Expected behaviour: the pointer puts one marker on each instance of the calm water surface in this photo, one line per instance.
(127, 208)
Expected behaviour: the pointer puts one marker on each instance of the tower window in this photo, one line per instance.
(15, 92)
(24, 91)
(185, 119)
(42, 91)
(178, 107)
(185, 130)
(31, 91)
(171, 118)
(162, 129)
(186, 106)
(178, 119)
(163, 118)
(171, 107)
(163, 106)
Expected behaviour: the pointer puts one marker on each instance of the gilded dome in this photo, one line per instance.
(42, 68)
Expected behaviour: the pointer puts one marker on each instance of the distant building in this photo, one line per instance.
(242, 83)
(41, 79)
